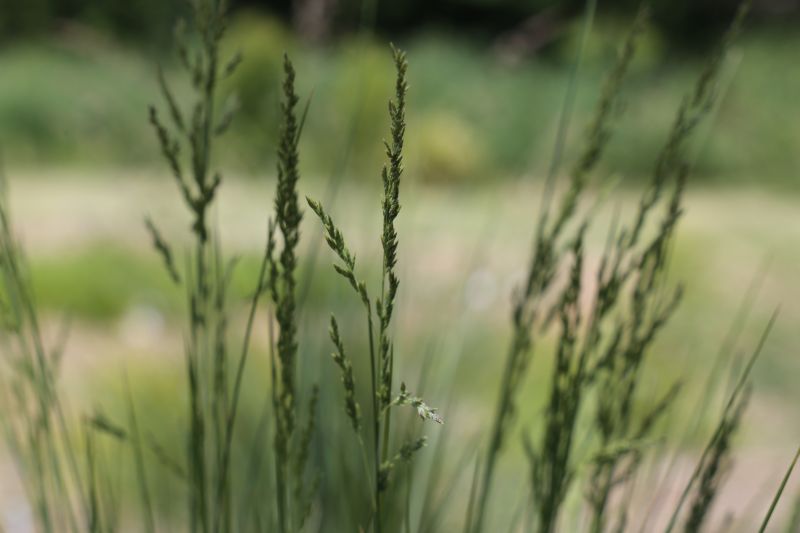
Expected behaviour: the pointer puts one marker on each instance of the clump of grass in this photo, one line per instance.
(633, 298)
(604, 349)
(381, 360)
(542, 270)
(213, 391)
(599, 353)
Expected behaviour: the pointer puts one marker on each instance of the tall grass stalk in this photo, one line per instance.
(291, 444)
(381, 346)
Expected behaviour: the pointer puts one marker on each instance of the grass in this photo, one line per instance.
(268, 436)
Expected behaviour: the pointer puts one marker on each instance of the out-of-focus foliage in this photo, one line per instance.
(254, 86)
(142, 20)
(685, 21)
(446, 148)
(462, 91)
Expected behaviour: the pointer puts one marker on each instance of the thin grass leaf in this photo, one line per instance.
(779, 492)
(141, 474)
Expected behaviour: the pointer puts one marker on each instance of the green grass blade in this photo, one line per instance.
(141, 474)
(778, 494)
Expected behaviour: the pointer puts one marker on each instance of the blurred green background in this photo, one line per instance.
(487, 75)
(487, 82)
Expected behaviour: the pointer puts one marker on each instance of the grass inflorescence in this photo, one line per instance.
(381, 359)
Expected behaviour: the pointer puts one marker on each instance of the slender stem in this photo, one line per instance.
(367, 469)
(376, 418)
(388, 413)
(231, 419)
(778, 494)
(601, 500)
(198, 330)
(367, 472)
(408, 500)
(280, 463)
(496, 439)
(141, 474)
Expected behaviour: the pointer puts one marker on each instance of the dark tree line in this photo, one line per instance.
(686, 21)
